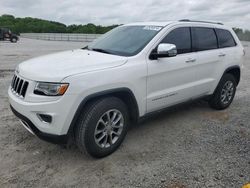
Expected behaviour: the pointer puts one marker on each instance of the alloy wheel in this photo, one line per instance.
(109, 128)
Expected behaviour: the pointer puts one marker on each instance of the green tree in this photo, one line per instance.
(34, 25)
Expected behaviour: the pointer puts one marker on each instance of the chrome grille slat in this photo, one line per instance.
(13, 80)
(21, 90)
(16, 83)
(25, 86)
(19, 86)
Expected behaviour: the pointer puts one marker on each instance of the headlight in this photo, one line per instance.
(50, 89)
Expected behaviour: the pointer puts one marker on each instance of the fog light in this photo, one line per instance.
(45, 118)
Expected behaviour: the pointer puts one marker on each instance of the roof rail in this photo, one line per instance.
(187, 20)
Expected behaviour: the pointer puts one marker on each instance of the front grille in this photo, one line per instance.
(19, 86)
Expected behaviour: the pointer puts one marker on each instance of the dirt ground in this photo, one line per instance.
(186, 146)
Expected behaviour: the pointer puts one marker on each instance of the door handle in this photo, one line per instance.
(190, 60)
(222, 55)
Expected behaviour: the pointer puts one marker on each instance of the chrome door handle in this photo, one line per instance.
(190, 60)
(222, 55)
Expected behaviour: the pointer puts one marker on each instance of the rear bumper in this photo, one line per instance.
(56, 139)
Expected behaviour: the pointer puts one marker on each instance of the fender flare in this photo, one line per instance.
(100, 94)
(228, 69)
(231, 68)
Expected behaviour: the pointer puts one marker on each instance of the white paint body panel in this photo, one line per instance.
(156, 84)
(54, 67)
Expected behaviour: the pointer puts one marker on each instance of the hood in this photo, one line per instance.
(55, 67)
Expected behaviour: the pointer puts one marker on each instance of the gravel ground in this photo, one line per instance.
(186, 146)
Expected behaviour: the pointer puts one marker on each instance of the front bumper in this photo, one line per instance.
(56, 139)
(61, 110)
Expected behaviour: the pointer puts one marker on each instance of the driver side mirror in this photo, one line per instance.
(164, 50)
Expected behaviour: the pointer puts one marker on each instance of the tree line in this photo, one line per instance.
(243, 35)
(35, 25)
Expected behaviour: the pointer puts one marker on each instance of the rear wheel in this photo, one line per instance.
(224, 93)
(102, 126)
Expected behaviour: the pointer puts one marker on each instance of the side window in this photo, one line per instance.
(203, 38)
(181, 38)
(225, 38)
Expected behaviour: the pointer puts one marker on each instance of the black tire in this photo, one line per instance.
(13, 40)
(87, 123)
(216, 100)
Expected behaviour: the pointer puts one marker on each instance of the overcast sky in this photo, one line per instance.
(235, 13)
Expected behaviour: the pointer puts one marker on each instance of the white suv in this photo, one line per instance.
(93, 94)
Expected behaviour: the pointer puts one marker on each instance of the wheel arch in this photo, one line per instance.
(13, 37)
(125, 94)
(235, 71)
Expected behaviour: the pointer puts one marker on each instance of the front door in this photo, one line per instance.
(171, 80)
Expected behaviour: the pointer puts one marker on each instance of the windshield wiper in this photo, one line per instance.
(100, 50)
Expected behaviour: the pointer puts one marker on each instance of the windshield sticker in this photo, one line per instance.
(152, 28)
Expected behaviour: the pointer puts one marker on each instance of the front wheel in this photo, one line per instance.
(224, 93)
(102, 126)
(14, 40)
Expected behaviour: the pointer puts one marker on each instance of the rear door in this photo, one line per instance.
(204, 43)
(227, 47)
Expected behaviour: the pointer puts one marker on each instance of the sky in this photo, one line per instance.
(235, 13)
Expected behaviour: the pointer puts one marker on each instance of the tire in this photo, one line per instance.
(224, 95)
(92, 125)
(13, 40)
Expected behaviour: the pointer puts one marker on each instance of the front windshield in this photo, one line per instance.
(125, 40)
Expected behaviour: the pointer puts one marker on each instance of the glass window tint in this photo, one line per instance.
(181, 38)
(203, 39)
(126, 40)
(225, 38)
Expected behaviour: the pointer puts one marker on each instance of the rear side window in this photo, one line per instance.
(181, 38)
(203, 39)
(225, 38)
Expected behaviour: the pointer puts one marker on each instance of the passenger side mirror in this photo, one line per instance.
(164, 50)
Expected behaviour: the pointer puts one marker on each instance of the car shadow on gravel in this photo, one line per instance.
(173, 111)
